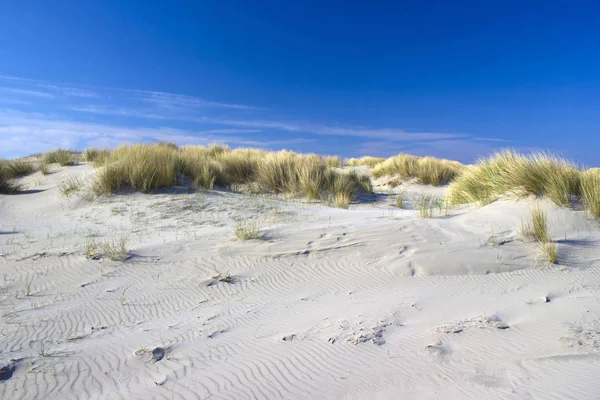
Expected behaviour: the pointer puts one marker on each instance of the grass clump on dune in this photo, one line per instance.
(139, 167)
(509, 171)
(7, 186)
(60, 156)
(363, 161)
(16, 168)
(537, 228)
(145, 168)
(590, 191)
(427, 170)
(96, 156)
(334, 161)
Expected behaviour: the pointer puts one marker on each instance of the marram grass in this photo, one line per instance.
(523, 175)
(427, 170)
(146, 168)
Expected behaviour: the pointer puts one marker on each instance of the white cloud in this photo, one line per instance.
(174, 101)
(27, 133)
(118, 113)
(27, 92)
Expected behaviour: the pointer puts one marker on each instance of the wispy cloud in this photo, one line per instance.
(31, 87)
(14, 101)
(70, 91)
(23, 133)
(27, 92)
(78, 116)
(394, 134)
(171, 101)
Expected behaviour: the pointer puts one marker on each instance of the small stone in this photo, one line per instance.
(158, 354)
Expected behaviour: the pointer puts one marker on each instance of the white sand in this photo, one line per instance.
(367, 303)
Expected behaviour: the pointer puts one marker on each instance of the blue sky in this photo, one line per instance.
(450, 79)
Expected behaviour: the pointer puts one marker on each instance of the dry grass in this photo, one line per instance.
(43, 165)
(538, 228)
(435, 172)
(399, 199)
(96, 156)
(116, 249)
(427, 204)
(7, 186)
(69, 186)
(60, 156)
(509, 171)
(427, 170)
(590, 191)
(333, 162)
(138, 167)
(550, 251)
(149, 167)
(247, 230)
(20, 167)
(363, 161)
(341, 200)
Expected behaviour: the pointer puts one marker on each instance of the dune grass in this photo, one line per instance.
(146, 168)
(399, 199)
(20, 167)
(427, 204)
(333, 162)
(590, 191)
(363, 161)
(7, 186)
(247, 230)
(60, 156)
(427, 170)
(523, 175)
(43, 165)
(96, 156)
(69, 186)
(138, 167)
(537, 228)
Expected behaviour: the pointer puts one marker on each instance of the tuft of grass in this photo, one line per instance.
(333, 162)
(60, 156)
(139, 167)
(16, 168)
(403, 165)
(7, 185)
(43, 165)
(537, 226)
(96, 156)
(69, 186)
(341, 200)
(550, 251)
(590, 192)
(435, 172)
(427, 204)
(399, 199)
(116, 250)
(207, 175)
(363, 161)
(247, 230)
(427, 170)
(524, 175)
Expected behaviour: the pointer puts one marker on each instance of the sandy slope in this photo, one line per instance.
(366, 303)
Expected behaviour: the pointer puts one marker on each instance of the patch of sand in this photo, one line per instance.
(367, 303)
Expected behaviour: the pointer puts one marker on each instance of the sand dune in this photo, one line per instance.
(367, 303)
